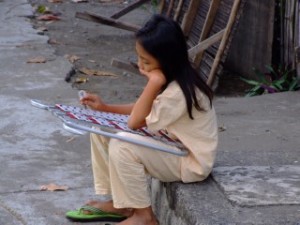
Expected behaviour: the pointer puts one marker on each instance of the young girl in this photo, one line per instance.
(175, 98)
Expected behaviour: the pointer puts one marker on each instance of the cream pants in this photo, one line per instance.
(121, 170)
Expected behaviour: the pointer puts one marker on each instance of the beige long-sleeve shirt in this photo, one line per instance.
(200, 135)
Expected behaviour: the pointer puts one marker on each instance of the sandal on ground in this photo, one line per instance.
(94, 215)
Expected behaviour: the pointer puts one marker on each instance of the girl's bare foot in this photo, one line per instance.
(141, 217)
(108, 207)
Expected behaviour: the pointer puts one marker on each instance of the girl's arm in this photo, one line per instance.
(96, 103)
(143, 105)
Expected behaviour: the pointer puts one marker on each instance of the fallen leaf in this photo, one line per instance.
(42, 9)
(53, 42)
(92, 61)
(81, 80)
(222, 128)
(72, 58)
(53, 187)
(42, 29)
(38, 59)
(96, 72)
(48, 17)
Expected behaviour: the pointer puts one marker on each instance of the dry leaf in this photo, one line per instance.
(92, 61)
(38, 59)
(42, 9)
(42, 29)
(53, 187)
(53, 42)
(222, 128)
(72, 58)
(81, 80)
(96, 72)
(48, 17)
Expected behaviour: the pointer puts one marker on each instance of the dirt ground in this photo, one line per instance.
(93, 46)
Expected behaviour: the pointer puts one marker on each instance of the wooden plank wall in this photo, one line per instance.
(252, 44)
(297, 38)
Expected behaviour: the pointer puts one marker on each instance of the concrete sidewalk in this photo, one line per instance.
(256, 178)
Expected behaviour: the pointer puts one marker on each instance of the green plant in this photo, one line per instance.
(273, 81)
(153, 6)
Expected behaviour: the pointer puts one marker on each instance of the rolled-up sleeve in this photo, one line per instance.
(167, 108)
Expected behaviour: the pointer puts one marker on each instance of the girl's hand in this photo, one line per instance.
(93, 101)
(155, 75)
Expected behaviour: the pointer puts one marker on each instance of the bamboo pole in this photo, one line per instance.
(233, 14)
(291, 33)
(286, 32)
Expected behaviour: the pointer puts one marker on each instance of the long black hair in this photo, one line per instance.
(163, 38)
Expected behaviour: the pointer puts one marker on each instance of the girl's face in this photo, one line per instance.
(146, 61)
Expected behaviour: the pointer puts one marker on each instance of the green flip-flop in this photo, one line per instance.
(94, 215)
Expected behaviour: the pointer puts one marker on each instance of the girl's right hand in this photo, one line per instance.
(93, 101)
(156, 75)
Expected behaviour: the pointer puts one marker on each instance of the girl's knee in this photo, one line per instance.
(121, 151)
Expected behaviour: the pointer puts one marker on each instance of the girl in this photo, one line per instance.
(175, 98)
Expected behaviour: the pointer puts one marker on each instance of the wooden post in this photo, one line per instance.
(209, 21)
(161, 6)
(223, 43)
(189, 16)
(178, 10)
(170, 7)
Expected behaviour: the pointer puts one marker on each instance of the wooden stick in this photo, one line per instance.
(129, 8)
(202, 46)
(131, 67)
(107, 21)
(189, 16)
(233, 14)
(178, 10)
